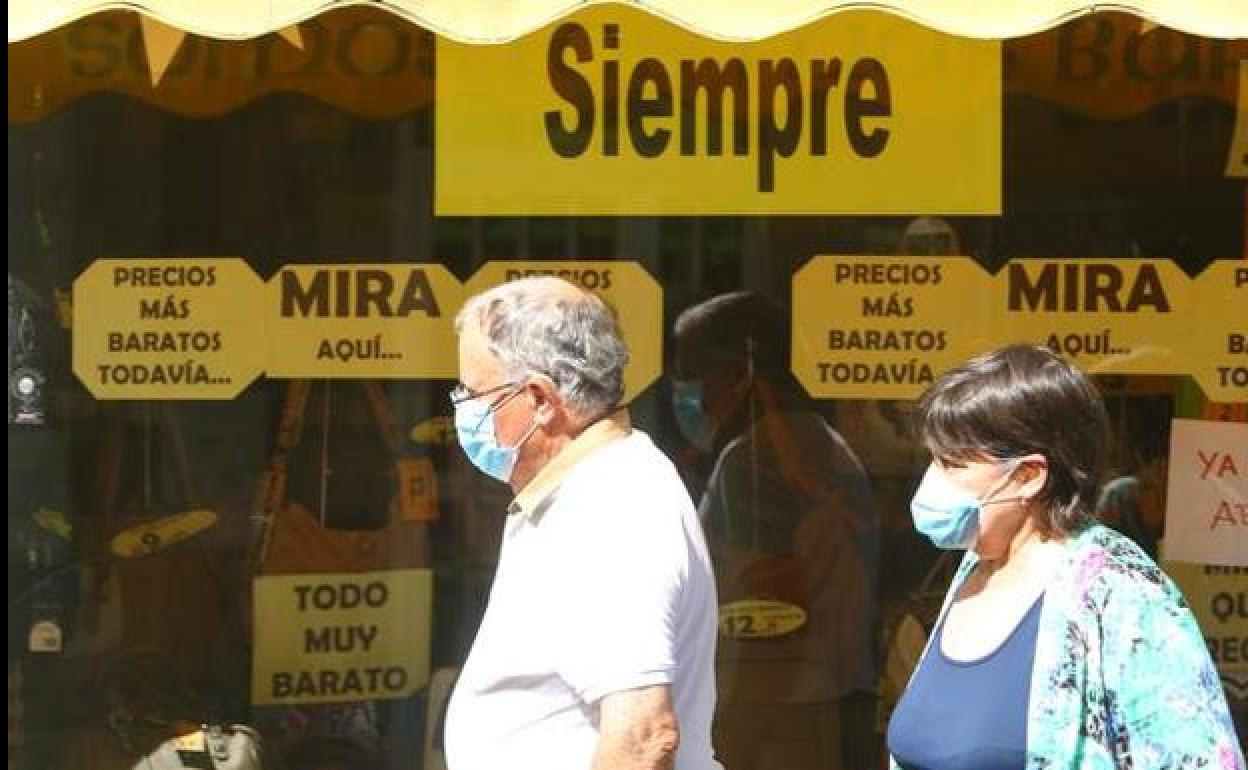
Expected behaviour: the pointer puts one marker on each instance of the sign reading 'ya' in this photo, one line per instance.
(1207, 493)
(885, 327)
(598, 114)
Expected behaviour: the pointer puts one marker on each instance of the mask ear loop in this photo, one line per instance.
(532, 426)
(1012, 465)
(489, 411)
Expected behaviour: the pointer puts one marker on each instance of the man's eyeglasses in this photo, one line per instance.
(463, 393)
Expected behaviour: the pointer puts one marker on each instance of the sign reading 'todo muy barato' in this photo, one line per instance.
(329, 638)
(885, 327)
(613, 111)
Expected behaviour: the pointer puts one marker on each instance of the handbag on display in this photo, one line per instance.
(291, 539)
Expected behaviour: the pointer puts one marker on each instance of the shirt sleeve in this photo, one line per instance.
(622, 599)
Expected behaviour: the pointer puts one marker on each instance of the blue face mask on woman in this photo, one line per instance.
(474, 425)
(947, 514)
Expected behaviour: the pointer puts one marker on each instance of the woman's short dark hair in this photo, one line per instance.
(1016, 401)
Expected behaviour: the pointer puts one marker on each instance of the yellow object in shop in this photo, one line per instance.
(54, 522)
(149, 537)
(439, 431)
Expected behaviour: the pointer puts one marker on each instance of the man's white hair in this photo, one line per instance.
(545, 325)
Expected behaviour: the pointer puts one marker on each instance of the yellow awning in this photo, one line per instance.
(382, 66)
(497, 21)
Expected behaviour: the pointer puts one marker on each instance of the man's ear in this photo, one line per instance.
(548, 405)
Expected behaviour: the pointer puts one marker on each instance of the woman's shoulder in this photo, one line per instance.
(1107, 567)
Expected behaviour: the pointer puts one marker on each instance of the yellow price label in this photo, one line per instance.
(759, 619)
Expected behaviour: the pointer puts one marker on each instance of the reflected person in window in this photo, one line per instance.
(597, 646)
(1061, 645)
(793, 528)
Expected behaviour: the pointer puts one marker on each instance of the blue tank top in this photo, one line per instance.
(968, 715)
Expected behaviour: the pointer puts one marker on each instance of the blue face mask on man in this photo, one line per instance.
(474, 425)
(688, 402)
(947, 514)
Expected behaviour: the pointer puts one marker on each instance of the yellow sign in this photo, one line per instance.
(885, 327)
(418, 489)
(341, 637)
(625, 286)
(193, 329)
(861, 113)
(1110, 66)
(1237, 159)
(362, 321)
(1219, 599)
(166, 329)
(759, 619)
(1218, 349)
(364, 60)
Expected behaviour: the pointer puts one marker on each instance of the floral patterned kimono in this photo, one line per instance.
(1122, 678)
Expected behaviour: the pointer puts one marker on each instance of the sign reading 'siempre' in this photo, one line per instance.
(612, 111)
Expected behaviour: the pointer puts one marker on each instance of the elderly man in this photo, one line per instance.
(597, 648)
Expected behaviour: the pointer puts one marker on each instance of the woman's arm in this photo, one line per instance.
(1165, 707)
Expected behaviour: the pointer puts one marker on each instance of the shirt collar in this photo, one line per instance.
(615, 425)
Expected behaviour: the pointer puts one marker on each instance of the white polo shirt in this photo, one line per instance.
(603, 584)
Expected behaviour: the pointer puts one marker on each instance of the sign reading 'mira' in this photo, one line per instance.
(613, 111)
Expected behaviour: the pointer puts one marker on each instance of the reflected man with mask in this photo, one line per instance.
(598, 641)
(794, 536)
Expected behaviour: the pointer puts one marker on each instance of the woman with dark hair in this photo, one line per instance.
(1060, 644)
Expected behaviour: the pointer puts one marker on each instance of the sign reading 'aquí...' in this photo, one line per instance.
(369, 321)
(885, 327)
(597, 112)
